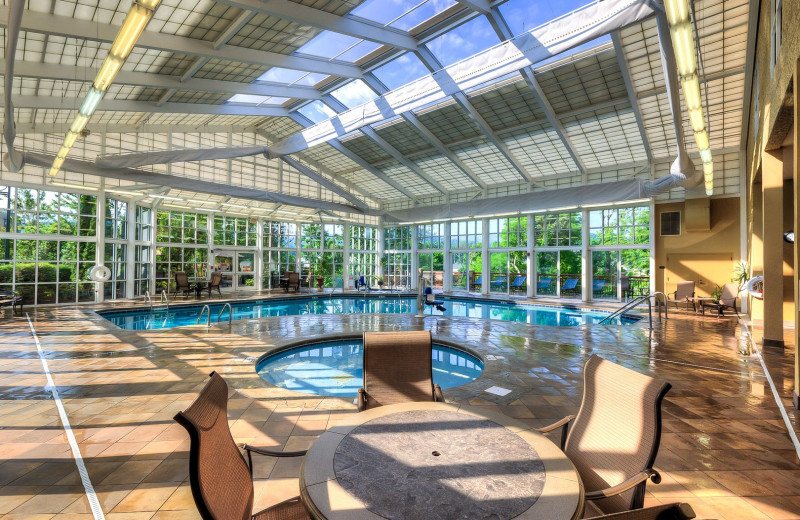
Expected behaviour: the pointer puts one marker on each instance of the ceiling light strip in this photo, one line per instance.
(680, 29)
(135, 21)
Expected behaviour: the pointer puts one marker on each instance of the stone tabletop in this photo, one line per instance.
(437, 461)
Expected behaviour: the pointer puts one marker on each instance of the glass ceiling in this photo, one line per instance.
(464, 41)
(400, 14)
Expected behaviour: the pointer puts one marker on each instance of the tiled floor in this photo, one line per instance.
(725, 448)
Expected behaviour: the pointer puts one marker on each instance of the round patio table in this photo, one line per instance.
(437, 461)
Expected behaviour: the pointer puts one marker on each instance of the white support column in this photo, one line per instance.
(486, 264)
(414, 275)
(586, 259)
(447, 282)
(652, 239)
(743, 222)
(259, 260)
(381, 252)
(152, 279)
(130, 252)
(100, 230)
(298, 265)
(346, 260)
(531, 257)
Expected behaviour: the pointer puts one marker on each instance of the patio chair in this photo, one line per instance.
(625, 287)
(478, 282)
(499, 282)
(397, 369)
(220, 478)
(598, 286)
(614, 438)
(543, 284)
(682, 294)
(570, 286)
(182, 283)
(11, 298)
(676, 511)
(292, 281)
(214, 283)
(518, 284)
(727, 300)
(431, 301)
(361, 281)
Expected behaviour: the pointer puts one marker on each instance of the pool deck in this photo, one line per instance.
(725, 448)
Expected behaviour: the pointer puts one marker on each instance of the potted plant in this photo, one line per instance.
(740, 274)
(379, 281)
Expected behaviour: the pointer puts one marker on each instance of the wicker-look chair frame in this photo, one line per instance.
(398, 368)
(676, 511)
(220, 478)
(727, 300)
(182, 283)
(683, 293)
(214, 283)
(611, 385)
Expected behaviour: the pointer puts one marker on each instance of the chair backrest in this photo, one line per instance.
(625, 283)
(216, 279)
(398, 367)
(544, 283)
(617, 430)
(598, 284)
(479, 279)
(518, 281)
(181, 280)
(569, 284)
(676, 511)
(220, 479)
(684, 290)
(729, 293)
(428, 294)
(293, 278)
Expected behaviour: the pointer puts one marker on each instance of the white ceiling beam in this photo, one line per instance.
(115, 128)
(45, 23)
(305, 15)
(324, 181)
(145, 79)
(116, 105)
(626, 77)
(481, 6)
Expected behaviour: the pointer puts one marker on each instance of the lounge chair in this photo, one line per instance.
(182, 283)
(431, 301)
(597, 287)
(398, 368)
(220, 478)
(216, 280)
(676, 511)
(614, 438)
(727, 300)
(682, 294)
(361, 281)
(518, 284)
(478, 282)
(11, 298)
(499, 282)
(543, 284)
(570, 286)
(292, 281)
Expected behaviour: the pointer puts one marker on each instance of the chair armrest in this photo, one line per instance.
(625, 486)
(362, 399)
(564, 424)
(676, 511)
(437, 394)
(272, 453)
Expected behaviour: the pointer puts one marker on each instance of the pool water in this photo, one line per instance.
(336, 368)
(161, 318)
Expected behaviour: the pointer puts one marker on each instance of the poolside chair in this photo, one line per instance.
(292, 281)
(727, 300)
(216, 280)
(499, 282)
(543, 284)
(182, 283)
(220, 478)
(676, 511)
(614, 438)
(431, 301)
(478, 282)
(397, 369)
(625, 287)
(570, 286)
(682, 294)
(518, 284)
(598, 286)
(361, 281)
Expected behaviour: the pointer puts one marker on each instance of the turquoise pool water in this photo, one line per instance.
(336, 368)
(178, 316)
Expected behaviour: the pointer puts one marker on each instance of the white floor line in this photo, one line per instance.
(775, 394)
(94, 504)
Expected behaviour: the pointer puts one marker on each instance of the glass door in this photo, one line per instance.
(223, 262)
(498, 269)
(245, 269)
(604, 274)
(569, 273)
(460, 271)
(518, 272)
(546, 273)
(432, 265)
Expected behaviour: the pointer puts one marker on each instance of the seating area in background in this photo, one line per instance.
(290, 280)
(518, 285)
(478, 283)
(682, 294)
(570, 286)
(727, 301)
(11, 298)
(543, 284)
(499, 284)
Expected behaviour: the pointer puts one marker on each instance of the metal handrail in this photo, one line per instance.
(666, 307)
(639, 299)
(204, 309)
(230, 312)
(148, 299)
(164, 298)
(628, 306)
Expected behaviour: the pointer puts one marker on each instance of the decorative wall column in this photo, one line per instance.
(130, 249)
(586, 259)
(346, 273)
(414, 275)
(531, 254)
(486, 264)
(772, 217)
(259, 266)
(447, 262)
(100, 230)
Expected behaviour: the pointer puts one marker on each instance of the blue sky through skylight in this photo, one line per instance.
(401, 71)
(317, 111)
(291, 77)
(250, 99)
(464, 41)
(401, 14)
(354, 93)
(332, 45)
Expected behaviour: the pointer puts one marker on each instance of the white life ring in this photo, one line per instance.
(755, 286)
(100, 273)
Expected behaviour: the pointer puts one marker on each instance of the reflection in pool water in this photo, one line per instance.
(335, 368)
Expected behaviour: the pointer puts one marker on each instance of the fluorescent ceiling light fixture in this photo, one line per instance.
(209, 210)
(165, 197)
(234, 205)
(124, 192)
(562, 209)
(702, 139)
(78, 186)
(705, 156)
(180, 206)
(134, 24)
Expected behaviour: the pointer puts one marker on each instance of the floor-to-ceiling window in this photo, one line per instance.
(116, 248)
(620, 247)
(363, 256)
(280, 251)
(508, 242)
(142, 270)
(557, 243)
(430, 253)
(466, 244)
(181, 246)
(235, 241)
(397, 257)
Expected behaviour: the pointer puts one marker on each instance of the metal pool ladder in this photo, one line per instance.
(148, 299)
(202, 311)
(230, 313)
(164, 298)
(657, 296)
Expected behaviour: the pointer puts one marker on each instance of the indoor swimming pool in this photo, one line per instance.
(182, 315)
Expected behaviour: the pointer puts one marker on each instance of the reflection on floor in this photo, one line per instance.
(725, 448)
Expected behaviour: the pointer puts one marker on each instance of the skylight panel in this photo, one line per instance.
(317, 111)
(354, 93)
(249, 99)
(331, 45)
(291, 77)
(400, 14)
(464, 41)
(401, 71)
